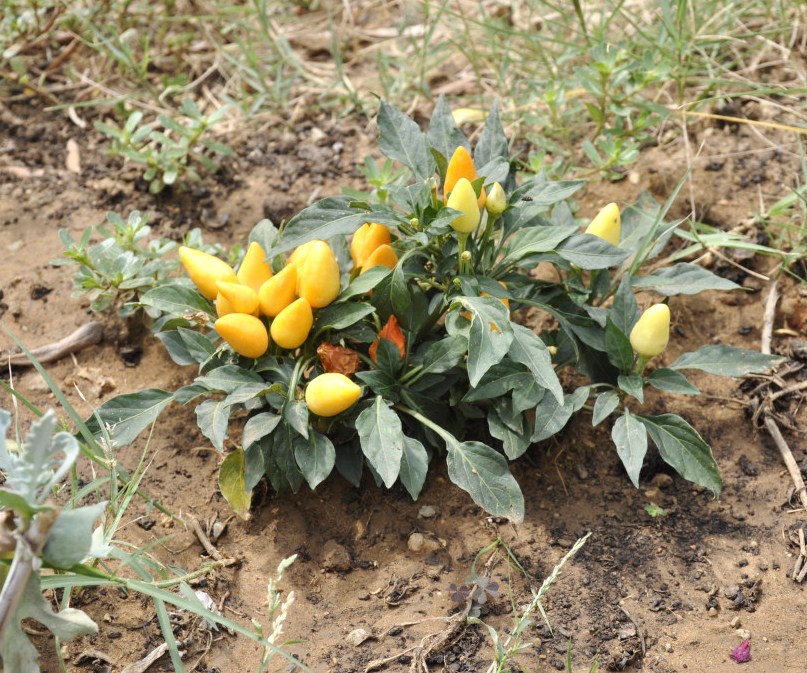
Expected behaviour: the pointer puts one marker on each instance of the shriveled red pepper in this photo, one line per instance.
(391, 332)
(338, 359)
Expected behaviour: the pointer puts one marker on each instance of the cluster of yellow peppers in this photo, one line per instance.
(310, 280)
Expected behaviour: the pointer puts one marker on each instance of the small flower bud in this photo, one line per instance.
(414, 223)
(497, 200)
(466, 256)
(552, 350)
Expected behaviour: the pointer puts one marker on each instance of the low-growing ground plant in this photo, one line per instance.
(394, 334)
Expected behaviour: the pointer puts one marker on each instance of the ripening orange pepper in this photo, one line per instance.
(460, 166)
(391, 332)
(245, 334)
(204, 270)
(367, 238)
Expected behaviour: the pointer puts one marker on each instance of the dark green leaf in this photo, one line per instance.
(632, 384)
(414, 466)
(381, 439)
(551, 417)
(682, 279)
(212, 417)
(546, 193)
(617, 347)
(228, 378)
(492, 141)
(630, 438)
(490, 336)
(726, 361)
(400, 138)
(399, 292)
(682, 447)
(257, 427)
(484, 475)
(604, 406)
(281, 466)
(591, 252)
(126, 416)
(295, 412)
(444, 136)
(350, 461)
(532, 240)
(437, 357)
(232, 483)
(176, 300)
(342, 315)
(498, 386)
(528, 349)
(315, 458)
(326, 219)
(380, 382)
(177, 350)
(200, 346)
(514, 443)
(265, 234)
(254, 467)
(671, 381)
(365, 283)
(625, 311)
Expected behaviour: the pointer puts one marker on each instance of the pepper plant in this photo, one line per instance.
(393, 334)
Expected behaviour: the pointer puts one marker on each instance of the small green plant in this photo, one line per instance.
(171, 149)
(654, 510)
(413, 354)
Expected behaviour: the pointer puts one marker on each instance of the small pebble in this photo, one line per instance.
(668, 647)
(364, 597)
(735, 623)
(428, 512)
(357, 637)
(415, 542)
(712, 612)
(745, 634)
(731, 591)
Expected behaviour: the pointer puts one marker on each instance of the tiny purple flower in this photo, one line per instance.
(742, 652)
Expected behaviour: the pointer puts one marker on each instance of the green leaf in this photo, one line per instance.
(492, 141)
(671, 381)
(483, 473)
(490, 335)
(528, 349)
(625, 310)
(365, 283)
(533, 240)
(414, 466)
(381, 437)
(350, 462)
(296, 414)
(212, 417)
(682, 447)
(400, 138)
(630, 438)
(176, 299)
(315, 458)
(632, 384)
(546, 193)
(232, 483)
(437, 357)
(70, 538)
(177, 351)
(257, 427)
(340, 316)
(228, 378)
(591, 252)
(617, 347)
(497, 385)
(444, 136)
(326, 219)
(604, 406)
(514, 442)
(551, 417)
(726, 361)
(278, 457)
(682, 279)
(126, 416)
(265, 234)
(200, 346)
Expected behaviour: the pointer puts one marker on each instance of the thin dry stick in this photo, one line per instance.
(214, 553)
(770, 424)
(84, 336)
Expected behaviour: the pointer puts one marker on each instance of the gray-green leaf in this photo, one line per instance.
(528, 349)
(682, 278)
(381, 439)
(630, 438)
(315, 458)
(414, 466)
(726, 361)
(126, 416)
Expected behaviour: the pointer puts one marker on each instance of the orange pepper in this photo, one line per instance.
(391, 332)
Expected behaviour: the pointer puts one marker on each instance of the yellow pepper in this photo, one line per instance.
(246, 334)
(330, 394)
(300, 253)
(496, 202)
(292, 325)
(279, 291)
(650, 335)
(318, 277)
(461, 166)
(236, 298)
(383, 255)
(366, 239)
(607, 224)
(204, 270)
(254, 270)
(463, 198)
